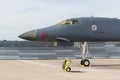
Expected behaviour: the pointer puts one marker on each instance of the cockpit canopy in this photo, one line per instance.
(67, 22)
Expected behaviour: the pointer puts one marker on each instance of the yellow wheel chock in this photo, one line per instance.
(66, 65)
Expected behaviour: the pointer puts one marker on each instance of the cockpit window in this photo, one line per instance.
(66, 22)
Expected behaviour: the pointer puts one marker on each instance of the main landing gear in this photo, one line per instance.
(84, 49)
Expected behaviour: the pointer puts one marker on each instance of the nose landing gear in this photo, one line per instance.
(84, 62)
(84, 50)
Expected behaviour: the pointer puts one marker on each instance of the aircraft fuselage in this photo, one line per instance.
(90, 29)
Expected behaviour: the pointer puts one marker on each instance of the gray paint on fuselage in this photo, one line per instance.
(108, 29)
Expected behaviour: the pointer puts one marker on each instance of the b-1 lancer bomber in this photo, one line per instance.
(82, 30)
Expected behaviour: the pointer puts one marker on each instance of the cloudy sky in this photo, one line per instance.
(18, 16)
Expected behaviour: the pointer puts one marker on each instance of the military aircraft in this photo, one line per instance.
(82, 30)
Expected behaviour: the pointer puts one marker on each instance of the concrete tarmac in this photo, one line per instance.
(101, 69)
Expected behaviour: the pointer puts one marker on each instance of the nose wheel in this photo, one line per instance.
(84, 51)
(85, 62)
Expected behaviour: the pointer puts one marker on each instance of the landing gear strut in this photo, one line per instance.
(84, 49)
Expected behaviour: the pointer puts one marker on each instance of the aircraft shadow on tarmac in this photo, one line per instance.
(77, 71)
(108, 66)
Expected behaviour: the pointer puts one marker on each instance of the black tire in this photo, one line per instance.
(68, 69)
(86, 63)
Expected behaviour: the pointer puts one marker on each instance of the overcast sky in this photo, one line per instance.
(18, 16)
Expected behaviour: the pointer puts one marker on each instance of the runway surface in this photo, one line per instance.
(101, 69)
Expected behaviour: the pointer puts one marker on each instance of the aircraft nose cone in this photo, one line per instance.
(30, 35)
